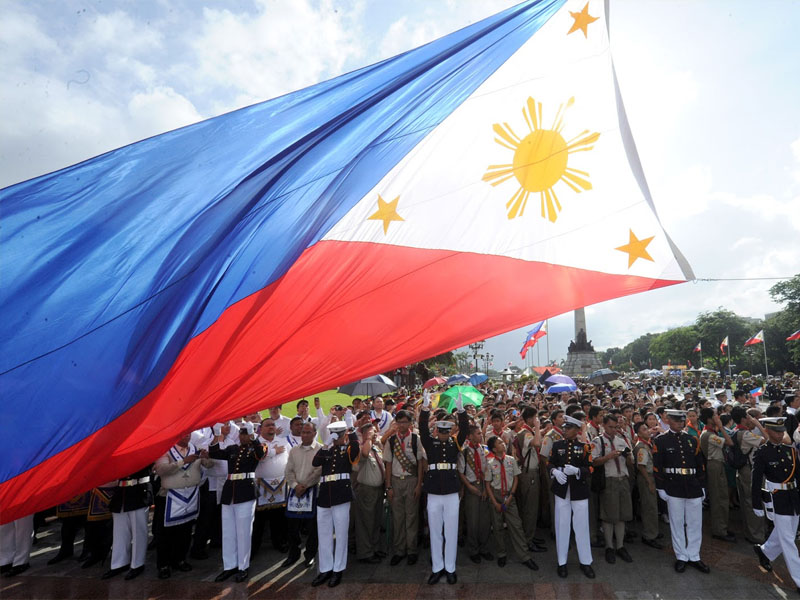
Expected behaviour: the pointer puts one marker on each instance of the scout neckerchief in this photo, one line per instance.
(503, 484)
(398, 449)
(474, 460)
(383, 419)
(616, 458)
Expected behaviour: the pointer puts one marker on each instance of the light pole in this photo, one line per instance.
(476, 347)
(488, 358)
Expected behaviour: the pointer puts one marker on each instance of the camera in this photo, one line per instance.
(626, 452)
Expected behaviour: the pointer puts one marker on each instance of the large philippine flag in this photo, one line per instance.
(468, 187)
(756, 339)
(794, 336)
(534, 335)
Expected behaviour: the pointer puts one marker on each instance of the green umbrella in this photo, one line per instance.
(469, 395)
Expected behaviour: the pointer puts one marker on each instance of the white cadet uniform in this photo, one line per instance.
(16, 539)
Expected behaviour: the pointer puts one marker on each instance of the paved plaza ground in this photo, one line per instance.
(734, 575)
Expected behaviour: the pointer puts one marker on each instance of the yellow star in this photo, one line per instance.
(636, 248)
(582, 20)
(387, 212)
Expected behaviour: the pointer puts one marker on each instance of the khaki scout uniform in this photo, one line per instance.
(528, 484)
(477, 508)
(615, 499)
(754, 527)
(552, 436)
(405, 508)
(643, 455)
(499, 473)
(711, 444)
(368, 504)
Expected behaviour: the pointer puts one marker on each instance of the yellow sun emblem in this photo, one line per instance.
(540, 161)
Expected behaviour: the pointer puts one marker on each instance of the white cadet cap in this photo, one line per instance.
(720, 393)
(337, 427)
(774, 423)
(444, 424)
(675, 414)
(572, 422)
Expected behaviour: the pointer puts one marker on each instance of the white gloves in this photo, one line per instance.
(663, 495)
(759, 513)
(334, 436)
(570, 470)
(218, 429)
(349, 419)
(559, 476)
(426, 400)
(459, 403)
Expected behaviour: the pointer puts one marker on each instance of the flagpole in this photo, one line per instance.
(728, 349)
(766, 368)
(548, 341)
(701, 356)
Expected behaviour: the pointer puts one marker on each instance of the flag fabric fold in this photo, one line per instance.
(756, 339)
(699, 347)
(297, 244)
(794, 336)
(534, 335)
(723, 345)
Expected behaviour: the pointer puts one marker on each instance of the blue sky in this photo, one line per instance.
(711, 90)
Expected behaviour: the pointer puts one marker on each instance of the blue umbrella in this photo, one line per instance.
(559, 378)
(460, 378)
(561, 387)
(477, 378)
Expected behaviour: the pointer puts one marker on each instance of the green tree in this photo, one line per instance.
(673, 346)
(785, 323)
(713, 327)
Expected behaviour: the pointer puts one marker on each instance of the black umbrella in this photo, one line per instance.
(603, 376)
(369, 386)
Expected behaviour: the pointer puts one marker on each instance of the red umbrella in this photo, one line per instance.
(434, 381)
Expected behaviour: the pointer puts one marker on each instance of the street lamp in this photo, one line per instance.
(476, 347)
(488, 358)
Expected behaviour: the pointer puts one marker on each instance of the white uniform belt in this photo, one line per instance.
(404, 476)
(442, 466)
(771, 486)
(672, 471)
(335, 477)
(130, 482)
(239, 476)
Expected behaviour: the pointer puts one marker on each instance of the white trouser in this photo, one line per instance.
(781, 541)
(443, 515)
(686, 526)
(130, 538)
(577, 512)
(237, 529)
(333, 521)
(16, 539)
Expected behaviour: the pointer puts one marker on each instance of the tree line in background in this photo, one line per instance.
(677, 345)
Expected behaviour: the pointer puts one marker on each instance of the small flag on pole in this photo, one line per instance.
(756, 392)
(794, 336)
(699, 347)
(756, 339)
(539, 331)
(723, 345)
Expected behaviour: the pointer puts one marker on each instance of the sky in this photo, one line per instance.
(711, 89)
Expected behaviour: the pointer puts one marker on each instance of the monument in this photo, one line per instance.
(582, 360)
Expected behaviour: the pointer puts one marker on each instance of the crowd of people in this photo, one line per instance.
(385, 476)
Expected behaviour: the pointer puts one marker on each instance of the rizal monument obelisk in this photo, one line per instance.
(581, 357)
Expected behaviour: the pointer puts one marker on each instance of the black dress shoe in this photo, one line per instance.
(476, 558)
(611, 556)
(531, 565)
(91, 561)
(370, 560)
(290, 560)
(134, 573)
(412, 559)
(539, 541)
(58, 558)
(487, 555)
(588, 571)
(623, 554)
(321, 578)
(501, 561)
(534, 547)
(763, 561)
(6, 568)
(241, 576)
(224, 575)
(183, 566)
(680, 566)
(452, 578)
(728, 537)
(700, 566)
(435, 577)
(335, 579)
(396, 559)
(562, 570)
(164, 573)
(308, 563)
(14, 571)
(653, 544)
(113, 572)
